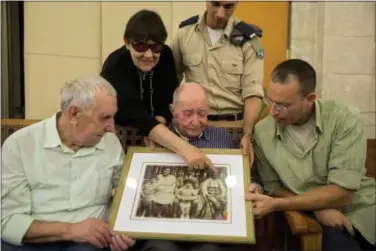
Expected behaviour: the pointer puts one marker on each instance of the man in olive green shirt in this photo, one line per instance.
(58, 175)
(310, 155)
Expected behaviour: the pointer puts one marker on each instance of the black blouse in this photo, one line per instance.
(141, 96)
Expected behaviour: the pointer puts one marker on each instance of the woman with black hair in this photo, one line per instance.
(143, 73)
(144, 76)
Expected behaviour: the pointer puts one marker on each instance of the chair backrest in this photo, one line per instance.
(130, 136)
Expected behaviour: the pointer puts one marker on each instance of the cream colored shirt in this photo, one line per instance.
(43, 179)
(229, 73)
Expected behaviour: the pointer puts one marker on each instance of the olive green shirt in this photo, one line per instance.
(43, 179)
(335, 155)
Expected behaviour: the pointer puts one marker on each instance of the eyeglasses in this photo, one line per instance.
(144, 47)
(226, 6)
(279, 107)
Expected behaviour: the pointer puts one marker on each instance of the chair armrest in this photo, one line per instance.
(301, 224)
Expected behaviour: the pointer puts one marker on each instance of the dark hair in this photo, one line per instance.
(186, 181)
(145, 25)
(303, 71)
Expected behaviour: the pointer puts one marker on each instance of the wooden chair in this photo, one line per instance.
(130, 136)
(271, 231)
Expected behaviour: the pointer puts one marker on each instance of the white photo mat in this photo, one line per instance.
(235, 226)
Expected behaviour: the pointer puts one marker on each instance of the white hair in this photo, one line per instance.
(81, 92)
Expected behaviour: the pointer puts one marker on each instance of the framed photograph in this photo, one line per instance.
(159, 197)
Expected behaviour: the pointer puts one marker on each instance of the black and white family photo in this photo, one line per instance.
(180, 192)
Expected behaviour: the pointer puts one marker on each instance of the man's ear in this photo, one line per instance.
(171, 106)
(311, 97)
(73, 113)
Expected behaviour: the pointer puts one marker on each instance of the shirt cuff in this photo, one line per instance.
(270, 187)
(253, 90)
(15, 229)
(345, 178)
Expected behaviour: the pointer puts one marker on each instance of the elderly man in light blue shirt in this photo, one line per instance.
(58, 174)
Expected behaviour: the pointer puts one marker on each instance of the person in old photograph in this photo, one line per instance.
(186, 196)
(180, 178)
(164, 197)
(214, 191)
(191, 175)
(147, 197)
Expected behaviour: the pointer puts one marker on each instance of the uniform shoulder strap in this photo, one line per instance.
(248, 30)
(189, 21)
(244, 32)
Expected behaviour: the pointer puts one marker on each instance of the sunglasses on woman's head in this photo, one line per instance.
(143, 47)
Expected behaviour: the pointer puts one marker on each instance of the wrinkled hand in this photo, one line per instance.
(247, 148)
(262, 204)
(93, 231)
(334, 218)
(149, 143)
(255, 188)
(121, 242)
(197, 159)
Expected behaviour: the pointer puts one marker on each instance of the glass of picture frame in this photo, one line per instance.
(159, 197)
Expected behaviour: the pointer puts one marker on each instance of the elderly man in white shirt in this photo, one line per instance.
(57, 175)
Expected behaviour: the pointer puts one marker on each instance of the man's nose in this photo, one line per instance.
(195, 120)
(220, 13)
(110, 127)
(273, 109)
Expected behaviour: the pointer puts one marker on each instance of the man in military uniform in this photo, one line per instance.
(225, 56)
(214, 190)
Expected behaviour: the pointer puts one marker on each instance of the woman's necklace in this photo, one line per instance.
(142, 76)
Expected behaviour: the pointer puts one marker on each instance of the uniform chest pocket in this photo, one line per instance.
(193, 63)
(192, 60)
(233, 71)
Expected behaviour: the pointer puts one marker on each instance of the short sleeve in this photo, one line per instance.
(252, 78)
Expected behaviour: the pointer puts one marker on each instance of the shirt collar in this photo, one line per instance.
(318, 120)
(52, 138)
(318, 116)
(203, 135)
(201, 24)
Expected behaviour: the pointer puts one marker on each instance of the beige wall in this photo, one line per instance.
(64, 40)
(339, 40)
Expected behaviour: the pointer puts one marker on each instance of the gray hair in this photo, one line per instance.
(81, 92)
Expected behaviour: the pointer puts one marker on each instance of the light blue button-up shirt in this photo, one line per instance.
(45, 180)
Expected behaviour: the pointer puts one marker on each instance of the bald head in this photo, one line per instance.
(190, 92)
(190, 109)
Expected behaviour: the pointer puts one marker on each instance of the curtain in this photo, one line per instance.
(12, 70)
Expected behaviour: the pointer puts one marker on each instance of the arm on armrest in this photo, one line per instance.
(299, 223)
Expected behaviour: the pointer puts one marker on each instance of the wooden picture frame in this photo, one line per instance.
(156, 188)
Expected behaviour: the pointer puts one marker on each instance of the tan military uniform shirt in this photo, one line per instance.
(229, 73)
(335, 153)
